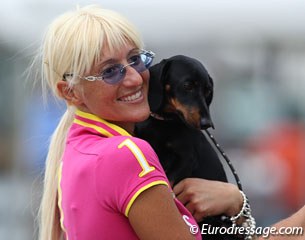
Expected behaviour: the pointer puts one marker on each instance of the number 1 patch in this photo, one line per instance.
(136, 151)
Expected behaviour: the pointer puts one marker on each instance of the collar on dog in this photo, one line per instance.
(157, 116)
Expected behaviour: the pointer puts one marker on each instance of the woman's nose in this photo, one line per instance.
(132, 77)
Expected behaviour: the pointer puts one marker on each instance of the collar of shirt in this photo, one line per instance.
(98, 125)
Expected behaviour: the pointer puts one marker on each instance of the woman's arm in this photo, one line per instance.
(154, 215)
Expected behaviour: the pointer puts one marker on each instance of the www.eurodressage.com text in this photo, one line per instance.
(259, 231)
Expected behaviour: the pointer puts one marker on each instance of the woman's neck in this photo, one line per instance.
(128, 126)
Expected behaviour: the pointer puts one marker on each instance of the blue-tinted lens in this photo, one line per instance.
(141, 62)
(137, 63)
(114, 74)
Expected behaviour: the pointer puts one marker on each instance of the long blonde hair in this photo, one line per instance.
(73, 44)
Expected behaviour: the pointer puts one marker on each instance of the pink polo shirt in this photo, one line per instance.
(103, 171)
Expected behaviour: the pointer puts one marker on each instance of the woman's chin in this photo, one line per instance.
(141, 117)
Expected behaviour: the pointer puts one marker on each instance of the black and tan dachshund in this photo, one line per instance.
(180, 93)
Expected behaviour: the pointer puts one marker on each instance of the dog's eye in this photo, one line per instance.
(188, 86)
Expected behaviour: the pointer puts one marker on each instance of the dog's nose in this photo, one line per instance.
(206, 123)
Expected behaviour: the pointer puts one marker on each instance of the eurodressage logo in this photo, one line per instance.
(193, 228)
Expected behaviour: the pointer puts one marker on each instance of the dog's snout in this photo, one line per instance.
(206, 123)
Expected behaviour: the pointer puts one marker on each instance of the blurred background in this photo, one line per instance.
(255, 52)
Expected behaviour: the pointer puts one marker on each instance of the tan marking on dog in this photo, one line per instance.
(190, 114)
(169, 107)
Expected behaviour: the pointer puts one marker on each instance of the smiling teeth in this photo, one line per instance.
(132, 97)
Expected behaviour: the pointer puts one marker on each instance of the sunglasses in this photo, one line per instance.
(116, 73)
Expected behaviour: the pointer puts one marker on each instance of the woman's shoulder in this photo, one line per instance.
(127, 145)
(126, 151)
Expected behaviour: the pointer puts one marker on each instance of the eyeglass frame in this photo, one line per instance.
(147, 53)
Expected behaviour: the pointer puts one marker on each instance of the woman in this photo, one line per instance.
(100, 182)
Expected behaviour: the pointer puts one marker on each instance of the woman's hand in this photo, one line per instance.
(205, 198)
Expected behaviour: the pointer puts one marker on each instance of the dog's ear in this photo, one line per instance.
(209, 98)
(156, 85)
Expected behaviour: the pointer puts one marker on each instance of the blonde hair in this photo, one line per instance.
(73, 44)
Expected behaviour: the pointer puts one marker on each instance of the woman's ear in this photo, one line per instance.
(69, 93)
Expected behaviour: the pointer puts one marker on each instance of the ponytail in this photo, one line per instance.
(49, 212)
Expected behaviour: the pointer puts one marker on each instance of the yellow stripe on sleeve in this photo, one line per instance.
(160, 182)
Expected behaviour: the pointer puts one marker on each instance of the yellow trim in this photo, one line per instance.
(60, 199)
(98, 129)
(97, 119)
(140, 191)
